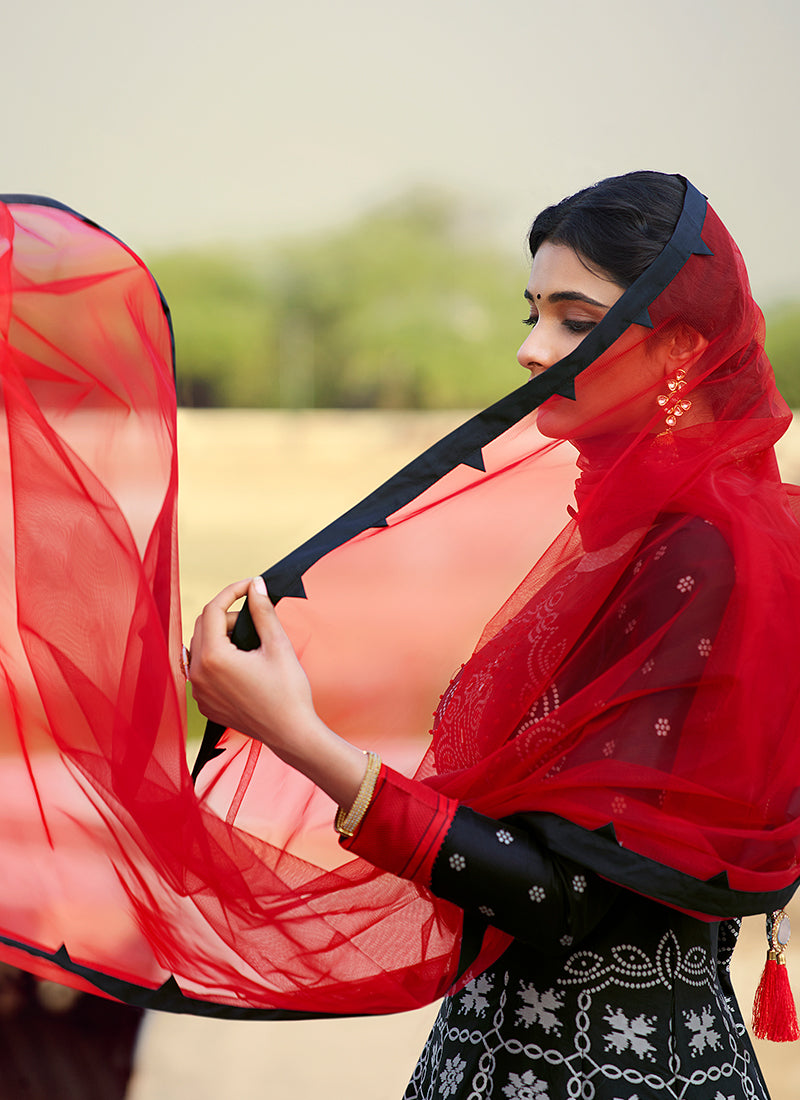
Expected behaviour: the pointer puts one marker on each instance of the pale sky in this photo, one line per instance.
(172, 122)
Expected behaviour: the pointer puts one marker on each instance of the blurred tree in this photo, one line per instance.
(783, 348)
(405, 308)
(220, 312)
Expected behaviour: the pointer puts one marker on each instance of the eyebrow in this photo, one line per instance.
(570, 296)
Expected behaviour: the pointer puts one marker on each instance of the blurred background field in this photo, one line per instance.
(254, 484)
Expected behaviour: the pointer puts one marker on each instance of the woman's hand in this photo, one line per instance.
(261, 692)
(265, 693)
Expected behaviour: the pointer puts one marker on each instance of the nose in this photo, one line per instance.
(536, 353)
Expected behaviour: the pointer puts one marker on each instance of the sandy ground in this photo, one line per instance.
(254, 484)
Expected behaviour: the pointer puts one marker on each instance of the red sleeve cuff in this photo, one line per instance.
(404, 827)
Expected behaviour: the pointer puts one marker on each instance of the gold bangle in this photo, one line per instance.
(347, 821)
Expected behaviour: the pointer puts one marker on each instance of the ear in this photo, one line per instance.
(683, 346)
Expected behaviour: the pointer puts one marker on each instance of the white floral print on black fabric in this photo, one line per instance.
(486, 910)
(579, 883)
(525, 1086)
(474, 997)
(604, 1029)
(537, 893)
(504, 836)
(457, 862)
(540, 1008)
(703, 1032)
(630, 1034)
(452, 1075)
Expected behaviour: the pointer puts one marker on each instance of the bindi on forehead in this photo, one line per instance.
(569, 296)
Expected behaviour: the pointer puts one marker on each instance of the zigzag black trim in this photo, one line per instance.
(168, 997)
(463, 446)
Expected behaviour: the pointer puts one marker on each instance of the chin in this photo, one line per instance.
(554, 421)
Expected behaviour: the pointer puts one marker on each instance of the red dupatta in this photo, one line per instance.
(232, 897)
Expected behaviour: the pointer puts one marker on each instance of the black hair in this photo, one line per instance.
(618, 225)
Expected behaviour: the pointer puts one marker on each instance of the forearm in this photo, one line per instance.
(336, 766)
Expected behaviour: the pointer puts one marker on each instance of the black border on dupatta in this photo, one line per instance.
(42, 200)
(598, 849)
(463, 445)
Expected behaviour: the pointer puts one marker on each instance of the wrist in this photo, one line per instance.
(336, 766)
(348, 818)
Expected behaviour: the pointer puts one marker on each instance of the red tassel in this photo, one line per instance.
(774, 1012)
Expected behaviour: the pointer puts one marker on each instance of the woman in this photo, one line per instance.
(609, 786)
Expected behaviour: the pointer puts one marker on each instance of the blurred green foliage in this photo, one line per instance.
(404, 308)
(783, 348)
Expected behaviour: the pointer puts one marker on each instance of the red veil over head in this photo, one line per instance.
(634, 696)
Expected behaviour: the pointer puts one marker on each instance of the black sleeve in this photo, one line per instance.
(498, 871)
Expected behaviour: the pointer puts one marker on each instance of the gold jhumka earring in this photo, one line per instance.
(672, 403)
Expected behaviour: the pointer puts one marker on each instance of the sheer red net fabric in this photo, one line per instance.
(635, 693)
(645, 664)
(90, 612)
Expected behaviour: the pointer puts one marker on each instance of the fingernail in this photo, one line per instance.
(260, 587)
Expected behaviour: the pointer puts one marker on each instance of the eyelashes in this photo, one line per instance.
(577, 328)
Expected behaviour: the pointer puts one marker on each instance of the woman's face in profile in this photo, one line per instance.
(567, 299)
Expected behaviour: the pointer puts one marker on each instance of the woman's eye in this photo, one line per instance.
(530, 320)
(579, 327)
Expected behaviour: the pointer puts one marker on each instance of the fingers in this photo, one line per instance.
(262, 692)
(229, 594)
(217, 622)
(216, 614)
(213, 621)
(262, 612)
